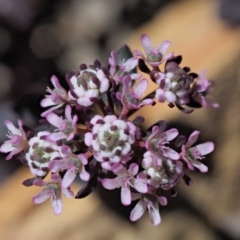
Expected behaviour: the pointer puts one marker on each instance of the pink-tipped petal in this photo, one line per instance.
(138, 211)
(146, 42)
(67, 192)
(68, 178)
(171, 134)
(84, 175)
(11, 128)
(110, 184)
(118, 168)
(154, 214)
(205, 148)
(140, 88)
(57, 206)
(133, 169)
(140, 186)
(125, 195)
(41, 197)
(164, 46)
(200, 166)
(192, 139)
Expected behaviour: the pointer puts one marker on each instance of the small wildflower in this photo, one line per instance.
(151, 203)
(52, 189)
(72, 163)
(66, 128)
(18, 140)
(155, 56)
(200, 90)
(191, 154)
(125, 179)
(57, 98)
(156, 142)
(120, 69)
(130, 98)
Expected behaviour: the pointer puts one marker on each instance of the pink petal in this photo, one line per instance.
(118, 168)
(170, 96)
(67, 192)
(130, 64)
(164, 46)
(140, 186)
(57, 165)
(41, 197)
(68, 111)
(55, 120)
(84, 101)
(68, 178)
(154, 214)
(160, 95)
(44, 114)
(146, 42)
(88, 139)
(57, 136)
(172, 154)
(138, 54)
(91, 93)
(199, 165)
(205, 148)
(110, 184)
(113, 59)
(57, 206)
(125, 195)
(138, 211)
(84, 175)
(133, 169)
(192, 139)
(146, 102)
(46, 102)
(162, 200)
(12, 128)
(56, 178)
(15, 151)
(140, 88)
(171, 134)
(7, 147)
(104, 85)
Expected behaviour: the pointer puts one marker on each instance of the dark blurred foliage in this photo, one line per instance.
(229, 11)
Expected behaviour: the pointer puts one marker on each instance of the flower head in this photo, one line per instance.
(87, 86)
(52, 189)
(41, 151)
(155, 56)
(17, 142)
(111, 139)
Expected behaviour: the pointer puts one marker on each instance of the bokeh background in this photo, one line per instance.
(39, 38)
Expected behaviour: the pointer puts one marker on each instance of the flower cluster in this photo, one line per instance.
(97, 140)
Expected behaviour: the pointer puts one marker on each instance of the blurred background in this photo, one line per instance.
(39, 38)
